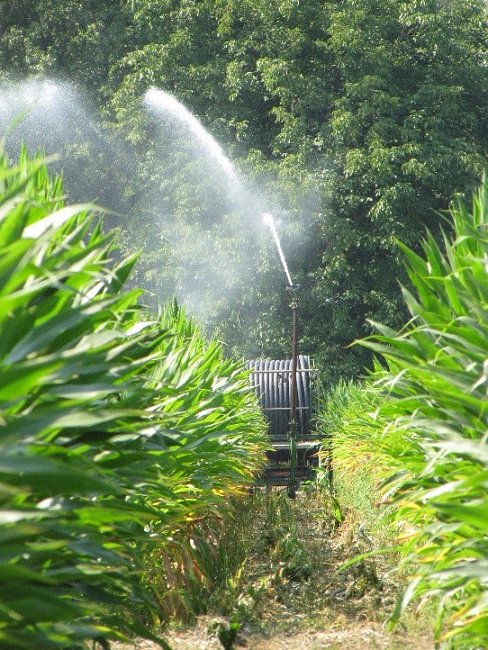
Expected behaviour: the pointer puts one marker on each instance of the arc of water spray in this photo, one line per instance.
(165, 102)
(269, 221)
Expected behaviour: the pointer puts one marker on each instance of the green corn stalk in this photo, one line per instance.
(436, 413)
(118, 430)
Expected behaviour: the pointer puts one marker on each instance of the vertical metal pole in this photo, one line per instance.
(292, 484)
(294, 364)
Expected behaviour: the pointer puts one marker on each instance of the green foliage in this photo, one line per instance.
(116, 429)
(261, 557)
(70, 371)
(79, 38)
(407, 131)
(214, 448)
(383, 144)
(436, 414)
(355, 455)
(357, 121)
(347, 415)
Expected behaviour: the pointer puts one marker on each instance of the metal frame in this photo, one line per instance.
(275, 395)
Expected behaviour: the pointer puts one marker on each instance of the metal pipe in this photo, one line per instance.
(292, 485)
(282, 372)
(275, 394)
(294, 363)
(285, 408)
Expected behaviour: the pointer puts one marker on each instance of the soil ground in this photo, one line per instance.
(294, 597)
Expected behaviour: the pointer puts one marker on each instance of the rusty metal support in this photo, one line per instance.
(292, 485)
(294, 362)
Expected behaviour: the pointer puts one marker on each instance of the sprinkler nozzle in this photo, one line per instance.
(292, 287)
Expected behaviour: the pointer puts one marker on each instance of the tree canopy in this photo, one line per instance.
(357, 120)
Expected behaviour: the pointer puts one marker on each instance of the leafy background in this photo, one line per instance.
(124, 434)
(353, 121)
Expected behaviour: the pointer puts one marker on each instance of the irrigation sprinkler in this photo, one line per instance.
(292, 288)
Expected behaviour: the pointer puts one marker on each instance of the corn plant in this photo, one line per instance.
(350, 419)
(436, 412)
(207, 409)
(115, 432)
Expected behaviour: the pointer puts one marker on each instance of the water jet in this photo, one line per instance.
(166, 104)
(269, 221)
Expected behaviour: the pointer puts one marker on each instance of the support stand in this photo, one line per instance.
(292, 433)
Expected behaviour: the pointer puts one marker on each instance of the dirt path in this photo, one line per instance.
(340, 635)
(290, 595)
